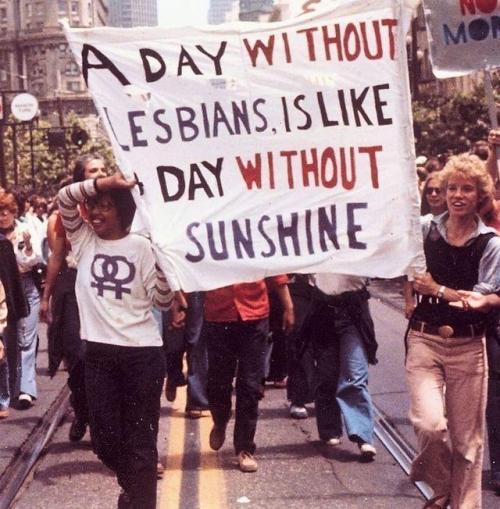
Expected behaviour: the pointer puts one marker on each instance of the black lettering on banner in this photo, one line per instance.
(352, 227)
(190, 235)
(106, 271)
(146, 55)
(136, 129)
(105, 64)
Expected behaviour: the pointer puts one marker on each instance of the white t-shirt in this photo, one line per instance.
(116, 282)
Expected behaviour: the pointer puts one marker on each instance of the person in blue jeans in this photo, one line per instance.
(23, 334)
(192, 341)
(17, 309)
(344, 345)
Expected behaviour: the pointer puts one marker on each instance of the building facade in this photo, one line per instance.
(132, 13)
(221, 11)
(35, 56)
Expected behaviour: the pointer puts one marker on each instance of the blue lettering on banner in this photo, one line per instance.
(478, 30)
(112, 273)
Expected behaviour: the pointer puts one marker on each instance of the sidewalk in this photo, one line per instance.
(20, 425)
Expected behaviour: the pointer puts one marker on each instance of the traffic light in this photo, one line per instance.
(56, 138)
(79, 137)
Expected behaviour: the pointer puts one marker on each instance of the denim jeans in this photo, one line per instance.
(342, 371)
(493, 405)
(10, 368)
(238, 345)
(123, 392)
(191, 340)
(28, 338)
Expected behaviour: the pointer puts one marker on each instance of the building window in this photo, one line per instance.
(72, 69)
(73, 86)
(3, 15)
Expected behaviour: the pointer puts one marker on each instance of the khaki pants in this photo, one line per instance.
(447, 380)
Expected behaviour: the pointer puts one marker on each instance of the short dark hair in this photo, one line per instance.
(79, 169)
(125, 205)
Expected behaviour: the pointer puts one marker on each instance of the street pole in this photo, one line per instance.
(14, 152)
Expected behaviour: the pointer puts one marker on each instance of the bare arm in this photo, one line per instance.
(283, 294)
(57, 246)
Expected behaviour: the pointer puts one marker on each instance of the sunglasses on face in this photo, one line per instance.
(433, 190)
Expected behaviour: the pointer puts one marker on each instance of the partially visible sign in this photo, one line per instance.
(463, 35)
(24, 107)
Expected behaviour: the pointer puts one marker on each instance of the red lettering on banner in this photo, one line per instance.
(260, 47)
(485, 6)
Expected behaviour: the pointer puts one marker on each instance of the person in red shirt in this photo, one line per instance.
(237, 325)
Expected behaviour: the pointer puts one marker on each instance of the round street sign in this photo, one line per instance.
(24, 107)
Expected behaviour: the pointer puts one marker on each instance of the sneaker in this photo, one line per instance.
(332, 442)
(170, 390)
(246, 462)
(4, 413)
(217, 437)
(368, 451)
(24, 401)
(280, 384)
(196, 413)
(298, 412)
(77, 430)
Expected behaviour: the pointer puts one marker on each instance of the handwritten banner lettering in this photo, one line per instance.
(265, 148)
(464, 35)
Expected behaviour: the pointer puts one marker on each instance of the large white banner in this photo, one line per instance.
(464, 35)
(265, 148)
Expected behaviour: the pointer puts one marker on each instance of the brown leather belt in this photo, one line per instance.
(448, 331)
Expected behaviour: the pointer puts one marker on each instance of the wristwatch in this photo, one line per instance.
(440, 292)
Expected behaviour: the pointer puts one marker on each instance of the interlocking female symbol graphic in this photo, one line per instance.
(105, 270)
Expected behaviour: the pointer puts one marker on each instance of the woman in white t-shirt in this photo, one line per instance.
(116, 287)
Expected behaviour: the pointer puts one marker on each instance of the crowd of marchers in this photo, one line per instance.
(75, 263)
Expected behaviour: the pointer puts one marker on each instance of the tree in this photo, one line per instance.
(49, 164)
(445, 125)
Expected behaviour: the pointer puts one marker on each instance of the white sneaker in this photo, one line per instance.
(332, 442)
(24, 401)
(368, 451)
(298, 412)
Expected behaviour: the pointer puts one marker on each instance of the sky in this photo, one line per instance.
(182, 12)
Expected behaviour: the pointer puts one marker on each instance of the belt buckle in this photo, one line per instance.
(446, 331)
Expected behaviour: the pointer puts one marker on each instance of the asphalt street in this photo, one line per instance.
(295, 469)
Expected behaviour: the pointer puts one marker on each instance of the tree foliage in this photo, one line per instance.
(450, 124)
(43, 173)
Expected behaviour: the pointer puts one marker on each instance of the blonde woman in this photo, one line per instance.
(446, 361)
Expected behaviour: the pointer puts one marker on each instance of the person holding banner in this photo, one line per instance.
(237, 325)
(344, 344)
(446, 363)
(116, 287)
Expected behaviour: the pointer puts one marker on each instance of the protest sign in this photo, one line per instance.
(265, 148)
(463, 35)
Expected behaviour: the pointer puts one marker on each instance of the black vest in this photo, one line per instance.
(456, 268)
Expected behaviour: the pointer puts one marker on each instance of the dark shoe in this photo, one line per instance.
(77, 430)
(246, 462)
(217, 437)
(170, 390)
(124, 501)
(24, 401)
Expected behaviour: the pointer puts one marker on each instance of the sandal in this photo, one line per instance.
(439, 502)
